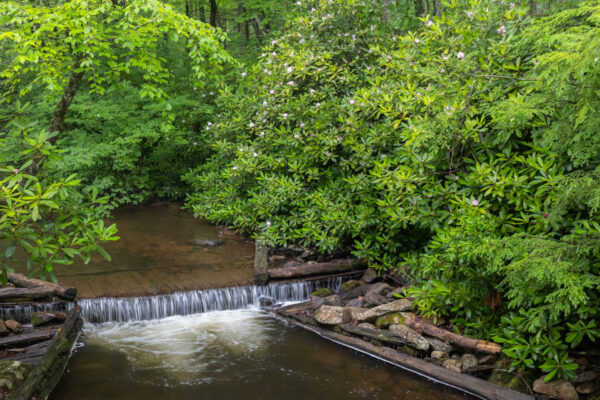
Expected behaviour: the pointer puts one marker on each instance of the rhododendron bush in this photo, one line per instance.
(466, 149)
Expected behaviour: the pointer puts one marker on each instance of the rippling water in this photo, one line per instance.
(241, 354)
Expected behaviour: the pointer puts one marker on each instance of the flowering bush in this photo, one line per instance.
(465, 148)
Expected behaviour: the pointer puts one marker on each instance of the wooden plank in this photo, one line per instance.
(380, 335)
(304, 270)
(466, 383)
(64, 292)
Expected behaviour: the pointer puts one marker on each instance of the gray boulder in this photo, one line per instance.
(369, 276)
(411, 337)
(375, 299)
(439, 345)
(392, 307)
(332, 315)
(559, 389)
(453, 365)
(468, 361)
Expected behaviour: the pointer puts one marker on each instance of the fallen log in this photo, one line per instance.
(9, 294)
(46, 374)
(32, 336)
(28, 355)
(424, 327)
(382, 336)
(64, 292)
(303, 270)
(469, 384)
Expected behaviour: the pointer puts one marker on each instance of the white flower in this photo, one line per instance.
(302, 125)
(417, 41)
(251, 124)
(299, 3)
(235, 168)
(274, 42)
(502, 30)
(318, 105)
(272, 91)
(268, 223)
(255, 154)
(265, 103)
(290, 68)
(429, 23)
(243, 74)
(285, 115)
(470, 14)
(460, 55)
(351, 101)
(296, 136)
(291, 83)
(262, 134)
(312, 91)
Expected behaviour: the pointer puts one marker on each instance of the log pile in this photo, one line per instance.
(34, 350)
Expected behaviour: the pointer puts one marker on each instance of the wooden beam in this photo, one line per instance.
(64, 292)
(28, 337)
(304, 270)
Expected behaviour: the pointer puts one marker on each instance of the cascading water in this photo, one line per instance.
(198, 301)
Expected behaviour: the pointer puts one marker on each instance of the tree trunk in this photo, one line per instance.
(213, 13)
(438, 7)
(58, 117)
(257, 31)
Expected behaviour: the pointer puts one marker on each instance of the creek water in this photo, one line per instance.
(194, 330)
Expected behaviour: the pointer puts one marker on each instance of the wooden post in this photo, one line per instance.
(261, 264)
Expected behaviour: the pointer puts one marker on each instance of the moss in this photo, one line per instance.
(351, 284)
(322, 292)
(509, 380)
(386, 320)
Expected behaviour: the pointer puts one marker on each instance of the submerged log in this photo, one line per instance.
(429, 329)
(303, 270)
(46, 374)
(382, 336)
(64, 292)
(28, 337)
(467, 383)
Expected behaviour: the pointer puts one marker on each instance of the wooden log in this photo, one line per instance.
(64, 292)
(429, 329)
(467, 383)
(382, 336)
(28, 337)
(261, 264)
(46, 374)
(303, 270)
(9, 294)
(28, 355)
(39, 318)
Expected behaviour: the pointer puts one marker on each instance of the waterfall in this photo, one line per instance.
(110, 309)
(22, 313)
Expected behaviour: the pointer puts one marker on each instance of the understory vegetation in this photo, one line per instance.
(457, 143)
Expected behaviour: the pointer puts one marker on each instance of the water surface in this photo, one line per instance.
(242, 354)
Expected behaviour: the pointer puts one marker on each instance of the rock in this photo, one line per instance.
(369, 276)
(380, 288)
(586, 376)
(317, 301)
(560, 389)
(440, 345)
(358, 302)
(394, 306)
(333, 300)
(356, 312)
(453, 365)
(439, 355)
(332, 315)
(351, 284)
(356, 291)
(12, 374)
(488, 359)
(394, 294)
(42, 317)
(207, 242)
(586, 388)
(412, 338)
(266, 301)
(468, 361)
(14, 326)
(3, 328)
(322, 292)
(366, 325)
(386, 320)
(291, 264)
(374, 299)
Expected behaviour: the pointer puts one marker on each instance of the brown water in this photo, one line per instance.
(156, 255)
(243, 354)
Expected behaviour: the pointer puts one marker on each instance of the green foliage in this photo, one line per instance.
(104, 39)
(49, 220)
(464, 148)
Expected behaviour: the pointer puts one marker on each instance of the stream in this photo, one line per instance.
(171, 320)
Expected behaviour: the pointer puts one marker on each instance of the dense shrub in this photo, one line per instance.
(466, 148)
